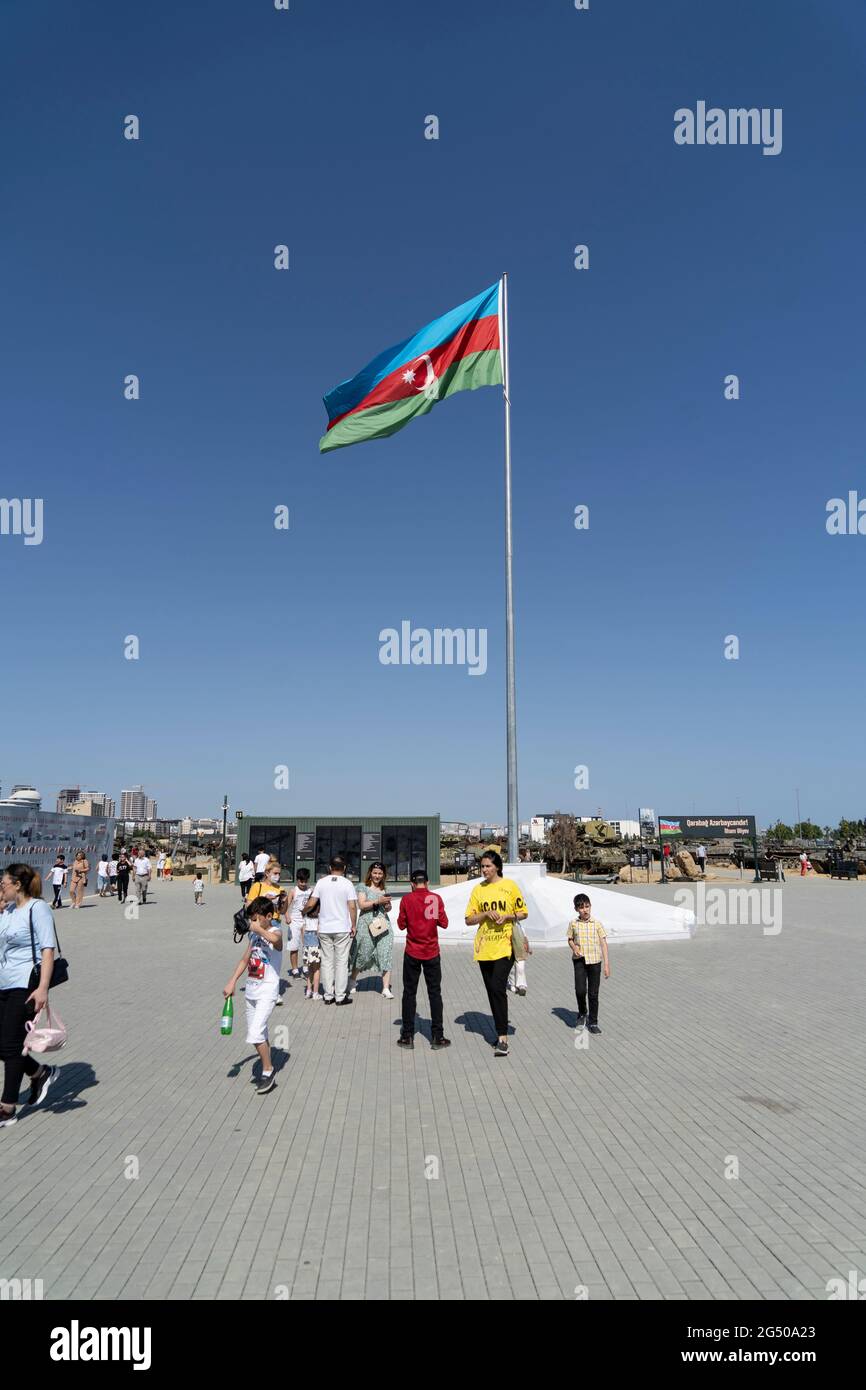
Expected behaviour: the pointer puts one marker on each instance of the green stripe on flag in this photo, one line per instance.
(378, 421)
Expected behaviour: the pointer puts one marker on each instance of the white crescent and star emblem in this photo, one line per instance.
(430, 385)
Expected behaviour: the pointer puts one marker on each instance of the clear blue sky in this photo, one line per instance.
(260, 647)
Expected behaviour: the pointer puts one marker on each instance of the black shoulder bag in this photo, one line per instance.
(60, 973)
(241, 924)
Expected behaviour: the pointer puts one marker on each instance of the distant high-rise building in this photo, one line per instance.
(150, 809)
(133, 804)
(67, 796)
(92, 804)
(102, 801)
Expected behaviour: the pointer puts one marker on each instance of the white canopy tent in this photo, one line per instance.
(550, 902)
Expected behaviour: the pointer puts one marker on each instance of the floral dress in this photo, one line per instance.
(371, 952)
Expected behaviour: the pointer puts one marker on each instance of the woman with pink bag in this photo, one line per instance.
(26, 934)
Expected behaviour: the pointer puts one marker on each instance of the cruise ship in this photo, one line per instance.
(29, 835)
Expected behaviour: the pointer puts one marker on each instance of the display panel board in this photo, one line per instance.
(707, 827)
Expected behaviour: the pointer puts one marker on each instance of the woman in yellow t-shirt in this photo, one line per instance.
(495, 905)
(270, 887)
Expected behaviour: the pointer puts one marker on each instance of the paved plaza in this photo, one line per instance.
(155, 1170)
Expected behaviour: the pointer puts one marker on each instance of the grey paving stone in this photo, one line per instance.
(611, 1161)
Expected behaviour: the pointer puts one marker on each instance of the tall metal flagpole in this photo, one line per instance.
(510, 698)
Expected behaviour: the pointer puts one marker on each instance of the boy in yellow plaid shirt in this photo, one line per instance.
(587, 941)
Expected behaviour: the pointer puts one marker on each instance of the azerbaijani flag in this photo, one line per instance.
(458, 352)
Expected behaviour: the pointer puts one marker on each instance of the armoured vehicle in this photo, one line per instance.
(599, 849)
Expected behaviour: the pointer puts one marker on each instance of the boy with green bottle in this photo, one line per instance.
(261, 961)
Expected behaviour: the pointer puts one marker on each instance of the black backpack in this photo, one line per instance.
(241, 924)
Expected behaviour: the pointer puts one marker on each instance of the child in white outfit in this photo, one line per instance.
(262, 962)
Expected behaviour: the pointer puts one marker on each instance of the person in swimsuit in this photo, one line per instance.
(80, 870)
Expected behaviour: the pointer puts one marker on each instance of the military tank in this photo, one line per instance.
(825, 859)
(599, 850)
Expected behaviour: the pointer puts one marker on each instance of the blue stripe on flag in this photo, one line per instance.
(350, 393)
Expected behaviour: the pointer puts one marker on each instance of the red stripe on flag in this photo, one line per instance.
(475, 336)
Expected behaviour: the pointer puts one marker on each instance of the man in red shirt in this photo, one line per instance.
(421, 914)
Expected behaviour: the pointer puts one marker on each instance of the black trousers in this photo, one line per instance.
(122, 887)
(433, 980)
(587, 975)
(495, 974)
(14, 1013)
(58, 887)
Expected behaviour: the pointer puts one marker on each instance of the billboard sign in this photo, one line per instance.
(647, 817)
(707, 827)
(37, 837)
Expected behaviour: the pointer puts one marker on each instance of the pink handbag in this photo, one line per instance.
(45, 1037)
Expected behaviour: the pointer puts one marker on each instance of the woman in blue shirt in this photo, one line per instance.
(21, 890)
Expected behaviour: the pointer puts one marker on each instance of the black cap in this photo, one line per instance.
(419, 876)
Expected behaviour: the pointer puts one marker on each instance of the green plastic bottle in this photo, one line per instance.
(227, 1020)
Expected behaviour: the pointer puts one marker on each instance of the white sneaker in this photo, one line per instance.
(512, 989)
(387, 994)
(354, 989)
